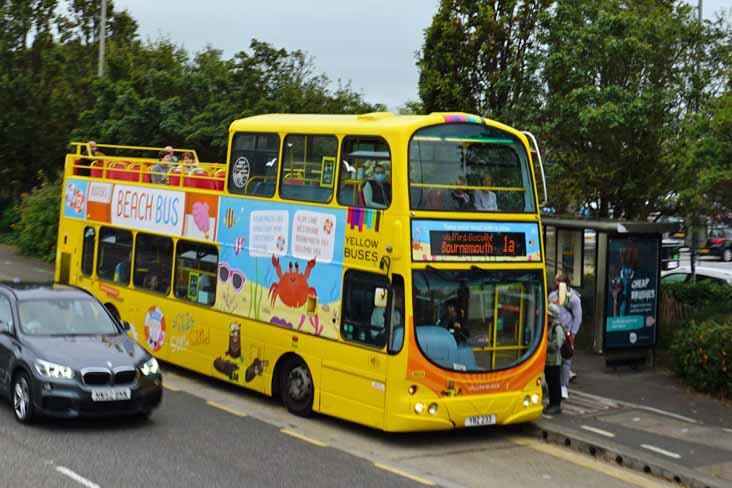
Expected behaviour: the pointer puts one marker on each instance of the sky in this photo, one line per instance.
(371, 43)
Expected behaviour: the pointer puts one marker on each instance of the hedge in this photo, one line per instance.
(37, 228)
(702, 356)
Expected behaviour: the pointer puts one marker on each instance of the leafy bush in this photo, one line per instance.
(9, 216)
(701, 294)
(702, 356)
(37, 228)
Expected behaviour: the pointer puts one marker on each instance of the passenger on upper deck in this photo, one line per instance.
(169, 151)
(459, 195)
(188, 164)
(485, 199)
(161, 168)
(91, 150)
(377, 191)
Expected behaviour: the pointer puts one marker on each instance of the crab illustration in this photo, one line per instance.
(293, 287)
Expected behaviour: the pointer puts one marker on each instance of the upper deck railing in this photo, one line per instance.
(132, 164)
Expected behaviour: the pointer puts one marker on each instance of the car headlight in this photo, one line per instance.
(150, 366)
(53, 370)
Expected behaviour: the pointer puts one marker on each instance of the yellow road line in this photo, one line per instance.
(590, 463)
(226, 409)
(302, 437)
(171, 388)
(404, 474)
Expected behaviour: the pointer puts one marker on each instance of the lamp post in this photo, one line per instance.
(102, 37)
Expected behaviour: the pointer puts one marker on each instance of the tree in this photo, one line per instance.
(479, 56)
(617, 80)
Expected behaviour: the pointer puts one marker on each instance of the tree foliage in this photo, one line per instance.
(479, 57)
(611, 88)
(152, 93)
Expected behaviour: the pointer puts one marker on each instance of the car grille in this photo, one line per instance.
(124, 376)
(97, 377)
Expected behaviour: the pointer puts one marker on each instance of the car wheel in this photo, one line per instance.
(727, 255)
(296, 387)
(21, 398)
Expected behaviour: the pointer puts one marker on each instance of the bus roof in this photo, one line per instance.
(362, 123)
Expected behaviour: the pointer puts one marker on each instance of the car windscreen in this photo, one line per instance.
(65, 316)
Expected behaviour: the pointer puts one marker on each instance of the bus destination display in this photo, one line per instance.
(474, 244)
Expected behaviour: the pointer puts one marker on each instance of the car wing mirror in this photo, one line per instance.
(125, 325)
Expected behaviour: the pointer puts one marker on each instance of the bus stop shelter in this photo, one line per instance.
(616, 268)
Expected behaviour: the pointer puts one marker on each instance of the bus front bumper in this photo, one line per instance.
(458, 412)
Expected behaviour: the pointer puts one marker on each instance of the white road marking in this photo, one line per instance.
(728, 430)
(598, 431)
(76, 477)
(661, 451)
(637, 406)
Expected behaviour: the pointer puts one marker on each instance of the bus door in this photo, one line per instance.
(354, 379)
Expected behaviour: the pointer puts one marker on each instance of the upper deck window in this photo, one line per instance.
(308, 168)
(365, 176)
(469, 168)
(253, 164)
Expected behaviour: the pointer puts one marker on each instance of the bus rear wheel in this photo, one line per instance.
(296, 387)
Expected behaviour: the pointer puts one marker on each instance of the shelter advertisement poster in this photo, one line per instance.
(632, 292)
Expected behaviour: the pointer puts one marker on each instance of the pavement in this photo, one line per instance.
(644, 419)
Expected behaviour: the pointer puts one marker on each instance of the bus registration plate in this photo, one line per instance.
(110, 394)
(476, 420)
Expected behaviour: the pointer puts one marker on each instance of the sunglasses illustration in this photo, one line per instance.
(236, 276)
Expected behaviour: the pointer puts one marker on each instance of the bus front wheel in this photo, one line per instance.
(296, 387)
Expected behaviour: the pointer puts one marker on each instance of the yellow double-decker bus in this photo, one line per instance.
(383, 269)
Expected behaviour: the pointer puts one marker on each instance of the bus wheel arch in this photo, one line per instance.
(293, 381)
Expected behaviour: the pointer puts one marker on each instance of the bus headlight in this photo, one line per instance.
(526, 401)
(419, 407)
(432, 410)
(535, 399)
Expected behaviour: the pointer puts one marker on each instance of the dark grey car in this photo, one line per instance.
(62, 354)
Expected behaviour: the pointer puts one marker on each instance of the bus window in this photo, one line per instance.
(396, 335)
(253, 166)
(469, 168)
(153, 263)
(115, 248)
(366, 303)
(87, 253)
(195, 272)
(365, 176)
(477, 320)
(308, 168)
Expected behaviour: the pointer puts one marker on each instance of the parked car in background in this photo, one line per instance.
(683, 275)
(63, 354)
(719, 243)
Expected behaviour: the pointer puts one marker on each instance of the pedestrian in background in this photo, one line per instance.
(553, 368)
(570, 316)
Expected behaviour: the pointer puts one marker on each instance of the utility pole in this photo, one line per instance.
(103, 37)
(692, 227)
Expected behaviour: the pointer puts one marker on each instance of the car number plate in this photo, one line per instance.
(476, 420)
(110, 394)
(703, 250)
